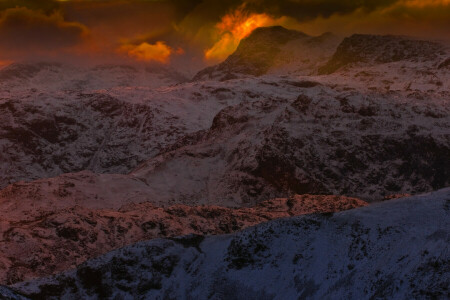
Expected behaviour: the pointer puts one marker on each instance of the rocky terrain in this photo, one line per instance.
(358, 125)
(394, 249)
(60, 240)
(112, 155)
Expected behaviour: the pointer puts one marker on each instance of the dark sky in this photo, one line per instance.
(166, 30)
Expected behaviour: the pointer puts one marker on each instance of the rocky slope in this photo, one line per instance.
(396, 249)
(57, 241)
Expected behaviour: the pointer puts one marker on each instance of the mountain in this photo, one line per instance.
(93, 159)
(396, 249)
(51, 242)
(373, 49)
(270, 50)
(237, 142)
(47, 133)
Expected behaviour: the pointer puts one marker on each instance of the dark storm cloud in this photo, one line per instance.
(298, 9)
(50, 25)
(25, 30)
(43, 5)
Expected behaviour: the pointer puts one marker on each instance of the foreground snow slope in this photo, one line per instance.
(53, 242)
(396, 249)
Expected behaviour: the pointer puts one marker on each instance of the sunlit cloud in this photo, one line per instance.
(208, 30)
(158, 52)
(234, 27)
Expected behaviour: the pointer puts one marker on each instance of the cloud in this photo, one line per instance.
(23, 30)
(235, 26)
(153, 28)
(46, 6)
(428, 19)
(158, 52)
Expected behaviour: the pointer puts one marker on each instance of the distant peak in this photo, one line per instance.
(377, 49)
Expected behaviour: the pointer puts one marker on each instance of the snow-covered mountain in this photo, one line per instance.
(372, 49)
(392, 250)
(51, 242)
(367, 130)
(90, 155)
(272, 137)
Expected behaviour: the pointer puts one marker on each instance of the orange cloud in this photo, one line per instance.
(233, 28)
(158, 52)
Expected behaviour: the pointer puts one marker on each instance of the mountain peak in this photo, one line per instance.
(254, 55)
(367, 48)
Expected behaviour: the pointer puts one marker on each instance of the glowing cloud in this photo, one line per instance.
(233, 28)
(158, 52)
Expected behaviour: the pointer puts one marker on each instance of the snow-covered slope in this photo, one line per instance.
(43, 134)
(239, 142)
(8, 294)
(392, 250)
(51, 242)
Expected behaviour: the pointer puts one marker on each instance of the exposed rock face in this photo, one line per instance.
(53, 242)
(358, 254)
(372, 49)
